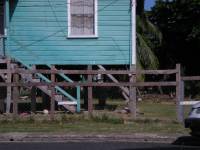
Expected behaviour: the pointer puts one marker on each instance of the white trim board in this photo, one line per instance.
(95, 35)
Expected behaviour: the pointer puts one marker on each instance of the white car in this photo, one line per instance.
(193, 120)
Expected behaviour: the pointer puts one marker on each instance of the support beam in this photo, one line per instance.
(132, 95)
(33, 95)
(15, 95)
(9, 91)
(90, 96)
(52, 110)
(33, 99)
(182, 100)
(178, 94)
(78, 96)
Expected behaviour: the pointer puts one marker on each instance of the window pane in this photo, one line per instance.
(77, 25)
(82, 17)
(77, 6)
(89, 25)
(89, 7)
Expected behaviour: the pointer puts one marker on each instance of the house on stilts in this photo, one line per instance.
(65, 33)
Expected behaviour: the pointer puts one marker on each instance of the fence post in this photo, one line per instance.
(182, 99)
(90, 96)
(179, 109)
(33, 95)
(33, 99)
(52, 111)
(78, 96)
(9, 89)
(132, 94)
(15, 95)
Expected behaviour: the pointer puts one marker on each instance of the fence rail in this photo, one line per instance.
(91, 72)
(190, 78)
(89, 83)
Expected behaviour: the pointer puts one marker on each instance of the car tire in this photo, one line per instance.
(195, 132)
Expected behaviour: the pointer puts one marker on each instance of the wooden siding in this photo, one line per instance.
(38, 34)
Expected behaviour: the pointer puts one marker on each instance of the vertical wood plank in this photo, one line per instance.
(78, 96)
(132, 94)
(52, 111)
(90, 96)
(33, 99)
(9, 90)
(178, 93)
(33, 95)
(182, 99)
(15, 95)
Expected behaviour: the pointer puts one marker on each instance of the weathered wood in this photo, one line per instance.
(178, 93)
(2, 97)
(182, 96)
(157, 72)
(90, 96)
(132, 95)
(92, 72)
(15, 95)
(33, 99)
(106, 84)
(190, 78)
(33, 94)
(84, 72)
(9, 90)
(53, 79)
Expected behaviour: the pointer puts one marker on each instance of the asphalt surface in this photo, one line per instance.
(39, 141)
(94, 146)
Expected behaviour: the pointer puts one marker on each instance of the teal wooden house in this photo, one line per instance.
(68, 32)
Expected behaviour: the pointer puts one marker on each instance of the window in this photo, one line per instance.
(82, 18)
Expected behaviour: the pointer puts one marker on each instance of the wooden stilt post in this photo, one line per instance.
(33, 99)
(132, 94)
(182, 99)
(2, 97)
(15, 95)
(52, 111)
(90, 96)
(9, 91)
(178, 94)
(33, 96)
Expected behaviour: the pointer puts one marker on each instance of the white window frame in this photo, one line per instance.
(95, 35)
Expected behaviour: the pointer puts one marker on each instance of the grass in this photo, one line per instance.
(153, 118)
(93, 126)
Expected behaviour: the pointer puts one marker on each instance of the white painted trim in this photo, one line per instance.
(82, 36)
(95, 22)
(69, 17)
(67, 103)
(96, 18)
(189, 102)
(133, 28)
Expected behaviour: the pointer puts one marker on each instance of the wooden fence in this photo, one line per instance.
(132, 84)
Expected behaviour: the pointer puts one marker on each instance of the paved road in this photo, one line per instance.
(94, 146)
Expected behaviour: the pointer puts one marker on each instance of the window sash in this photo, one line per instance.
(82, 18)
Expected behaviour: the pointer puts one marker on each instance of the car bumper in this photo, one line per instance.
(192, 123)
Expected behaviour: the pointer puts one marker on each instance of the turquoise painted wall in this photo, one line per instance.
(38, 34)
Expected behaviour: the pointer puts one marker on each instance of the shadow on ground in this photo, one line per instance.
(182, 143)
(187, 141)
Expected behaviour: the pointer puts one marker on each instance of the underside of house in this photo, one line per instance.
(59, 35)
